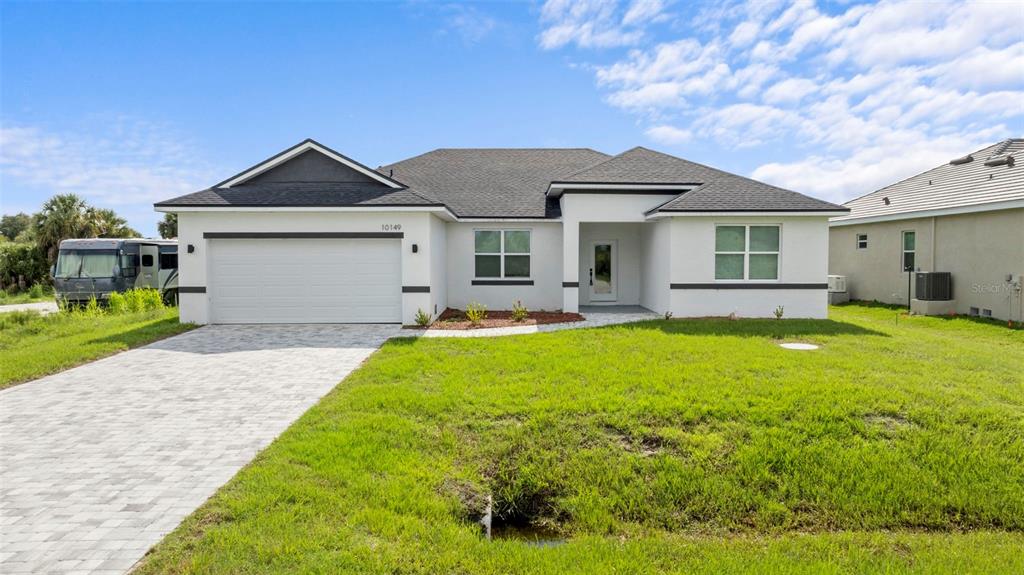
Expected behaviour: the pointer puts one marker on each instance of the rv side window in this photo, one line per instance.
(128, 264)
(147, 261)
(168, 261)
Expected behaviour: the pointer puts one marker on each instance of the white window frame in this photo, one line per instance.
(501, 254)
(862, 238)
(904, 251)
(747, 253)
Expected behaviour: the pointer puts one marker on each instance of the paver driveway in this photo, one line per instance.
(99, 462)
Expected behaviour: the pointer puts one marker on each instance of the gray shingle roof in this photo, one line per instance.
(492, 182)
(951, 185)
(302, 194)
(513, 183)
(715, 190)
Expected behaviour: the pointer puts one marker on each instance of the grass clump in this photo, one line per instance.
(695, 446)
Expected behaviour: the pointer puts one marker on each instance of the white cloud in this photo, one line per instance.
(596, 23)
(469, 23)
(852, 87)
(119, 163)
(839, 178)
(668, 134)
(790, 90)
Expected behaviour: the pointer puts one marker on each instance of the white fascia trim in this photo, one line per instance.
(557, 189)
(659, 215)
(501, 220)
(433, 209)
(304, 147)
(972, 209)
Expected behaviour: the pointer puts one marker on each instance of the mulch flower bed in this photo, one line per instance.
(456, 319)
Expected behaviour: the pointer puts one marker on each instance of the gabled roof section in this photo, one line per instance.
(301, 194)
(642, 166)
(295, 151)
(706, 189)
(493, 182)
(984, 179)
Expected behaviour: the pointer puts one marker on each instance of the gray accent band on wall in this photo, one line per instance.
(502, 282)
(191, 289)
(570, 284)
(749, 286)
(415, 289)
(298, 235)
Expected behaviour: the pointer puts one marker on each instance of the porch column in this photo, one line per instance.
(570, 266)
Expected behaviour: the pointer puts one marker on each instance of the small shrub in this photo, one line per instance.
(36, 291)
(422, 318)
(117, 304)
(476, 313)
(142, 299)
(779, 311)
(519, 312)
(92, 308)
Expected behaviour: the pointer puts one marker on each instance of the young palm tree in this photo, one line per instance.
(105, 223)
(62, 216)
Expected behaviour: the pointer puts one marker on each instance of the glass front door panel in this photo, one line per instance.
(603, 269)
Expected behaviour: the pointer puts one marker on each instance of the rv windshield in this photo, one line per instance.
(86, 263)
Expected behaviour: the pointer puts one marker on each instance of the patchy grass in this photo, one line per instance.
(34, 345)
(666, 446)
(35, 294)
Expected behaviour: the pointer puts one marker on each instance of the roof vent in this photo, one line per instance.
(964, 160)
(999, 161)
(885, 200)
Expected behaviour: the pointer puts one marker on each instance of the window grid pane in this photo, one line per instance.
(909, 241)
(488, 266)
(730, 238)
(517, 266)
(729, 266)
(764, 266)
(764, 238)
(487, 242)
(517, 242)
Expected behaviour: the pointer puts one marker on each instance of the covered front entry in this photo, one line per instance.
(609, 263)
(293, 280)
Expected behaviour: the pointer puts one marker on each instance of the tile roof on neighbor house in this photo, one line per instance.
(992, 175)
(514, 183)
(492, 182)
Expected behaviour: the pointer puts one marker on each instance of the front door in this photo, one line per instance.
(603, 267)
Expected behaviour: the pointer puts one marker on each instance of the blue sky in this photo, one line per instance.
(128, 104)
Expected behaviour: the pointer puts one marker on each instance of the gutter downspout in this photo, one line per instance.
(932, 258)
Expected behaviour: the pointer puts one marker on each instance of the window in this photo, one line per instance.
(862, 241)
(909, 245)
(502, 253)
(147, 261)
(168, 261)
(746, 252)
(86, 263)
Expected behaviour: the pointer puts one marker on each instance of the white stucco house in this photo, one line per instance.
(310, 235)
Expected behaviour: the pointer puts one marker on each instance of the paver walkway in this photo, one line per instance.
(99, 462)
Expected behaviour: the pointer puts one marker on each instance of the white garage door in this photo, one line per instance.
(305, 280)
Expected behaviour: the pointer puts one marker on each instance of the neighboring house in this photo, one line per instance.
(965, 217)
(310, 235)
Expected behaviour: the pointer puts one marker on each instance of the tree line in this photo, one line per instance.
(29, 243)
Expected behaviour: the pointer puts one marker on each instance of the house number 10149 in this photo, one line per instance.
(391, 227)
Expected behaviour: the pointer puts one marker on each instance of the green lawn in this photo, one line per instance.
(33, 345)
(36, 295)
(680, 446)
